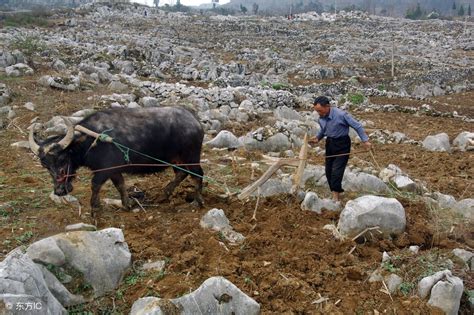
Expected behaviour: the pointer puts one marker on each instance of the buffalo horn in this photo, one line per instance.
(33, 145)
(66, 141)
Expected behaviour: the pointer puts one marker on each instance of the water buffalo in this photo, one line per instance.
(170, 134)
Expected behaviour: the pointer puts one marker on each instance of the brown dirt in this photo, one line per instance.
(287, 260)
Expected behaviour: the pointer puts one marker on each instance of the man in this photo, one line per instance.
(335, 125)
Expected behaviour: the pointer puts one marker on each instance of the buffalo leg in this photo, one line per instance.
(97, 181)
(179, 176)
(119, 183)
(197, 180)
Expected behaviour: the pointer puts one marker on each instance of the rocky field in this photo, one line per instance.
(401, 242)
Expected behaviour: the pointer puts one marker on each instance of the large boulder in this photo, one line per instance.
(444, 290)
(67, 84)
(274, 186)
(439, 142)
(363, 182)
(225, 139)
(312, 202)
(20, 69)
(101, 257)
(371, 211)
(464, 141)
(22, 282)
(286, 113)
(275, 143)
(216, 220)
(216, 295)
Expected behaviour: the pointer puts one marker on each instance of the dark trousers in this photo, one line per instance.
(335, 166)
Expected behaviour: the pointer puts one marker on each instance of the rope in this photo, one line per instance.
(126, 155)
(104, 137)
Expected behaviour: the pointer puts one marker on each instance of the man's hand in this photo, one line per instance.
(314, 140)
(368, 145)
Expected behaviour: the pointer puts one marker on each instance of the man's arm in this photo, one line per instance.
(319, 136)
(357, 126)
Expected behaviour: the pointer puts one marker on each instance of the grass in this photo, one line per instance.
(24, 238)
(406, 288)
(36, 18)
(389, 266)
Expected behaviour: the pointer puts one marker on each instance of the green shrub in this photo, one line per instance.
(279, 86)
(356, 98)
(28, 45)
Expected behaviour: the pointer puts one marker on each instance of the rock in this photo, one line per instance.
(422, 91)
(155, 266)
(376, 276)
(370, 211)
(102, 257)
(274, 186)
(215, 219)
(58, 65)
(399, 137)
(285, 113)
(426, 284)
(363, 182)
(464, 141)
(444, 201)
(46, 251)
(62, 294)
(390, 172)
(29, 106)
(446, 295)
(404, 183)
(276, 143)
(313, 203)
(69, 84)
(80, 227)
(439, 143)
(5, 94)
(11, 114)
(393, 282)
(225, 139)
(117, 86)
(414, 249)
(20, 69)
(386, 257)
(149, 101)
(462, 254)
(22, 282)
(216, 295)
(466, 208)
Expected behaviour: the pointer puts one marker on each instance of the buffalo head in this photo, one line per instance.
(55, 156)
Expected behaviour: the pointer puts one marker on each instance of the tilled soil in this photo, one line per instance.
(287, 261)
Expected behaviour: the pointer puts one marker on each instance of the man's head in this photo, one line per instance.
(322, 106)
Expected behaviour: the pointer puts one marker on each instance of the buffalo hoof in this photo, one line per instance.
(195, 201)
(95, 210)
